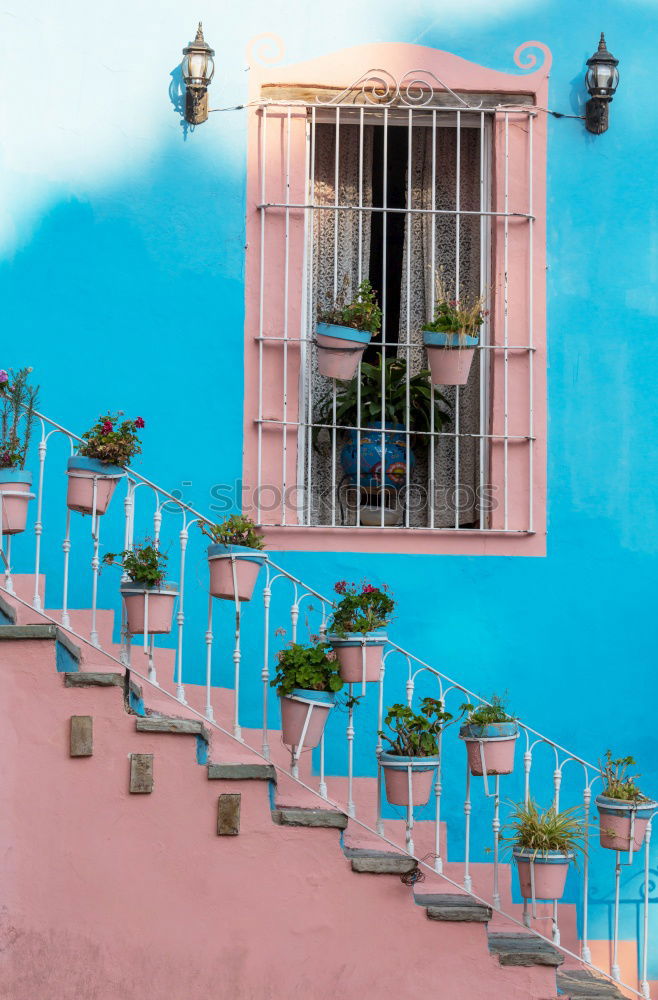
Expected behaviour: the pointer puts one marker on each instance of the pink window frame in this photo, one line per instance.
(267, 274)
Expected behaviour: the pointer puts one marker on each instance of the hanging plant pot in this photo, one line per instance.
(378, 466)
(490, 747)
(615, 819)
(360, 656)
(14, 499)
(549, 872)
(149, 610)
(400, 771)
(340, 349)
(246, 565)
(82, 473)
(304, 715)
(449, 356)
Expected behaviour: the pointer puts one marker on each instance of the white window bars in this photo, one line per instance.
(396, 194)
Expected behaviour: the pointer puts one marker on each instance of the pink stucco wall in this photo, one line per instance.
(109, 896)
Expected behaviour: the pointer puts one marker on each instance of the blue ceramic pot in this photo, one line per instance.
(379, 467)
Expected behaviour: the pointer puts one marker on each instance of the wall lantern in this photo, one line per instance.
(198, 69)
(601, 79)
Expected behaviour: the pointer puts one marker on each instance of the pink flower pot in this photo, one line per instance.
(449, 358)
(550, 872)
(396, 778)
(247, 564)
(82, 473)
(340, 349)
(156, 618)
(615, 822)
(492, 744)
(15, 496)
(353, 650)
(295, 710)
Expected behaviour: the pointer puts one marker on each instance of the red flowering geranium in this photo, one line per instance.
(363, 608)
(112, 442)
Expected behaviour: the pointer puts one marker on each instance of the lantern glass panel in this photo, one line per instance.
(197, 65)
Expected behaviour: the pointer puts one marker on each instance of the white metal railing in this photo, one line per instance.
(261, 629)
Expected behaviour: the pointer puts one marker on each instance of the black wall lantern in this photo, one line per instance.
(198, 70)
(601, 79)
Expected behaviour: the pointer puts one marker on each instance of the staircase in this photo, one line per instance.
(317, 891)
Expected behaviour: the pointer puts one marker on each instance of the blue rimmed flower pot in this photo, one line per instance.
(450, 356)
(490, 748)
(616, 817)
(149, 610)
(400, 771)
(360, 656)
(340, 349)
(234, 570)
(546, 871)
(304, 715)
(378, 466)
(83, 472)
(15, 496)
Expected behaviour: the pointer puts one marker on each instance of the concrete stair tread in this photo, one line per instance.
(581, 984)
(241, 772)
(171, 724)
(454, 906)
(294, 816)
(379, 862)
(524, 949)
(94, 678)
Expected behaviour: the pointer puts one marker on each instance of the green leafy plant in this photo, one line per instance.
(312, 668)
(462, 316)
(362, 609)
(416, 734)
(18, 400)
(617, 783)
(144, 563)
(484, 715)
(235, 530)
(112, 442)
(389, 406)
(533, 830)
(362, 313)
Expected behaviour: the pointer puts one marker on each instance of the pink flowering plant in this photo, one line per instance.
(462, 316)
(112, 442)
(362, 608)
(17, 402)
(144, 563)
(234, 530)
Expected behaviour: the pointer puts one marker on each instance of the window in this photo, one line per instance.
(397, 183)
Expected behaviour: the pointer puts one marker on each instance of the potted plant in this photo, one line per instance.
(490, 734)
(98, 466)
(234, 558)
(452, 336)
(413, 755)
(307, 680)
(543, 845)
(148, 599)
(624, 811)
(344, 330)
(17, 402)
(356, 629)
(381, 411)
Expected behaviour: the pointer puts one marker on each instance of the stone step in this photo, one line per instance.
(456, 907)
(241, 772)
(169, 724)
(7, 612)
(294, 816)
(379, 862)
(93, 678)
(580, 984)
(524, 949)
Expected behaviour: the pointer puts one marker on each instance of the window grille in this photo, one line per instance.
(396, 188)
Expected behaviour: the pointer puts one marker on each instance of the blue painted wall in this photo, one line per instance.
(121, 277)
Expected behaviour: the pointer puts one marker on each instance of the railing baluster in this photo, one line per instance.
(180, 616)
(644, 982)
(615, 970)
(237, 655)
(265, 673)
(38, 524)
(585, 949)
(496, 843)
(208, 709)
(95, 562)
(66, 547)
(351, 811)
(468, 881)
(438, 860)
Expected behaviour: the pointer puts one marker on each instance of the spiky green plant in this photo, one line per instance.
(18, 400)
(539, 831)
(484, 715)
(617, 783)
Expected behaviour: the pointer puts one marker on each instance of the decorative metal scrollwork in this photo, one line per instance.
(418, 88)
